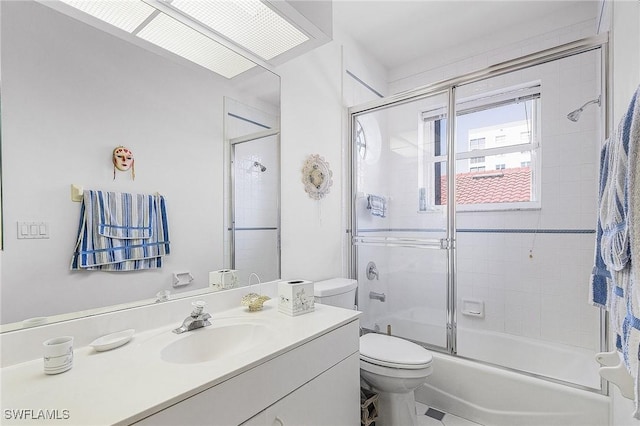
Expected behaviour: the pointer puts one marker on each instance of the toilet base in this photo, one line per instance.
(396, 409)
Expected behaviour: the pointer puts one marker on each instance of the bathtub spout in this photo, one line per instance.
(378, 296)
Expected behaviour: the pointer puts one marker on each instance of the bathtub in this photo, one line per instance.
(567, 363)
(497, 397)
(558, 361)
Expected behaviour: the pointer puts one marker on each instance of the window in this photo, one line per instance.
(361, 140)
(476, 144)
(494, 132)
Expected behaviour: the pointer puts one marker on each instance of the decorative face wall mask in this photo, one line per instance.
(123, 161)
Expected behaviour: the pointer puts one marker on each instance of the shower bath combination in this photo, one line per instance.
(575, 115)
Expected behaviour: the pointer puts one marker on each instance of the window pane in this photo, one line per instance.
(500, 136)
(502, 126)
(477, 143)
(495, 183)
(495, 151)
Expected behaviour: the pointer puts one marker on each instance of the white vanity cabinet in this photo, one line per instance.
(329, 400)
(316, 383)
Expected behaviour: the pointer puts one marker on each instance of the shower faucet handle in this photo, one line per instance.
(372, 271)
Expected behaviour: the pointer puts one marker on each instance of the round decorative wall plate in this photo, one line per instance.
(316, 177)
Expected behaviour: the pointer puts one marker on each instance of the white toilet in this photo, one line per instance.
(393, 367)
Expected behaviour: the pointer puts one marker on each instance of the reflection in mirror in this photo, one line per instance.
(71, 93)
(253, 193)
(255, 215)
(1, 221)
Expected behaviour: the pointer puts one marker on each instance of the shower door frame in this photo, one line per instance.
(600, 41)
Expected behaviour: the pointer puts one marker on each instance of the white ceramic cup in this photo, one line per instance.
(58, 354)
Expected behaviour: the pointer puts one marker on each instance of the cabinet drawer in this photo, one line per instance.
(331, 399)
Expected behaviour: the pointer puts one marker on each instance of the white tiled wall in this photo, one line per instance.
(533, 285)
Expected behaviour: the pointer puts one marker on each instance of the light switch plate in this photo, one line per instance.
(33, 230)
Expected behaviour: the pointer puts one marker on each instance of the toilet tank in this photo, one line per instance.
(340, 292)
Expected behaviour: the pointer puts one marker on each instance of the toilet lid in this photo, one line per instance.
(334, 287)
(389, 351)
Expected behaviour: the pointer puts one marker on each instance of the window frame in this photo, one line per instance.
(531, 91)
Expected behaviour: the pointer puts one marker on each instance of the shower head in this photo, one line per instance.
(259, 166)
(575, 115)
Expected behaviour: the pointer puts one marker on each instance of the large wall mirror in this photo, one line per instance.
(71, 93)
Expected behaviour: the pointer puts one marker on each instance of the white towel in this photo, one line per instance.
(614, 205)
(124, 240)
(377, 204)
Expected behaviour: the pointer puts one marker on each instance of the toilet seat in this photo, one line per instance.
(393, 352)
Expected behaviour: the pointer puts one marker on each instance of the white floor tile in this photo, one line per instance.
(451, 420)
(447, 420)
(428, 421)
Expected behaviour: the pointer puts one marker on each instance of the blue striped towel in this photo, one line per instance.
(600, 284)
(125, 216)
(121, 232)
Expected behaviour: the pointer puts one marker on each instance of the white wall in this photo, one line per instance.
(316, 91)
(577, 21)
(311, 120)
(71, 94)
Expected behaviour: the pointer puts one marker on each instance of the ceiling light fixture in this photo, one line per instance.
(170, 34)
(126, 15)
(206, 32)
(249, 23)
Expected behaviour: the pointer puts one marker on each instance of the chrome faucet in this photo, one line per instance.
(197, 319)
(378, 296)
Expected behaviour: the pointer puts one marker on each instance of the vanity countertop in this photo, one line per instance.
(131, 382)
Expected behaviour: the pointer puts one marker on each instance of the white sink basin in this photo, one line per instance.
(223, 338)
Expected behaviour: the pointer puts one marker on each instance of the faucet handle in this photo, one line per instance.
(198, 307)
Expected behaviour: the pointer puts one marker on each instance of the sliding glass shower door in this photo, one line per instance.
(401, 232)
(473, 213)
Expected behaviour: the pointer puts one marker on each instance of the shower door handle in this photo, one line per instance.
(445, 243)
(441, 243)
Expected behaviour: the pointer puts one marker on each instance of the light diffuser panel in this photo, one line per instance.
(124, 14)
(249, 23)
(184, 41)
